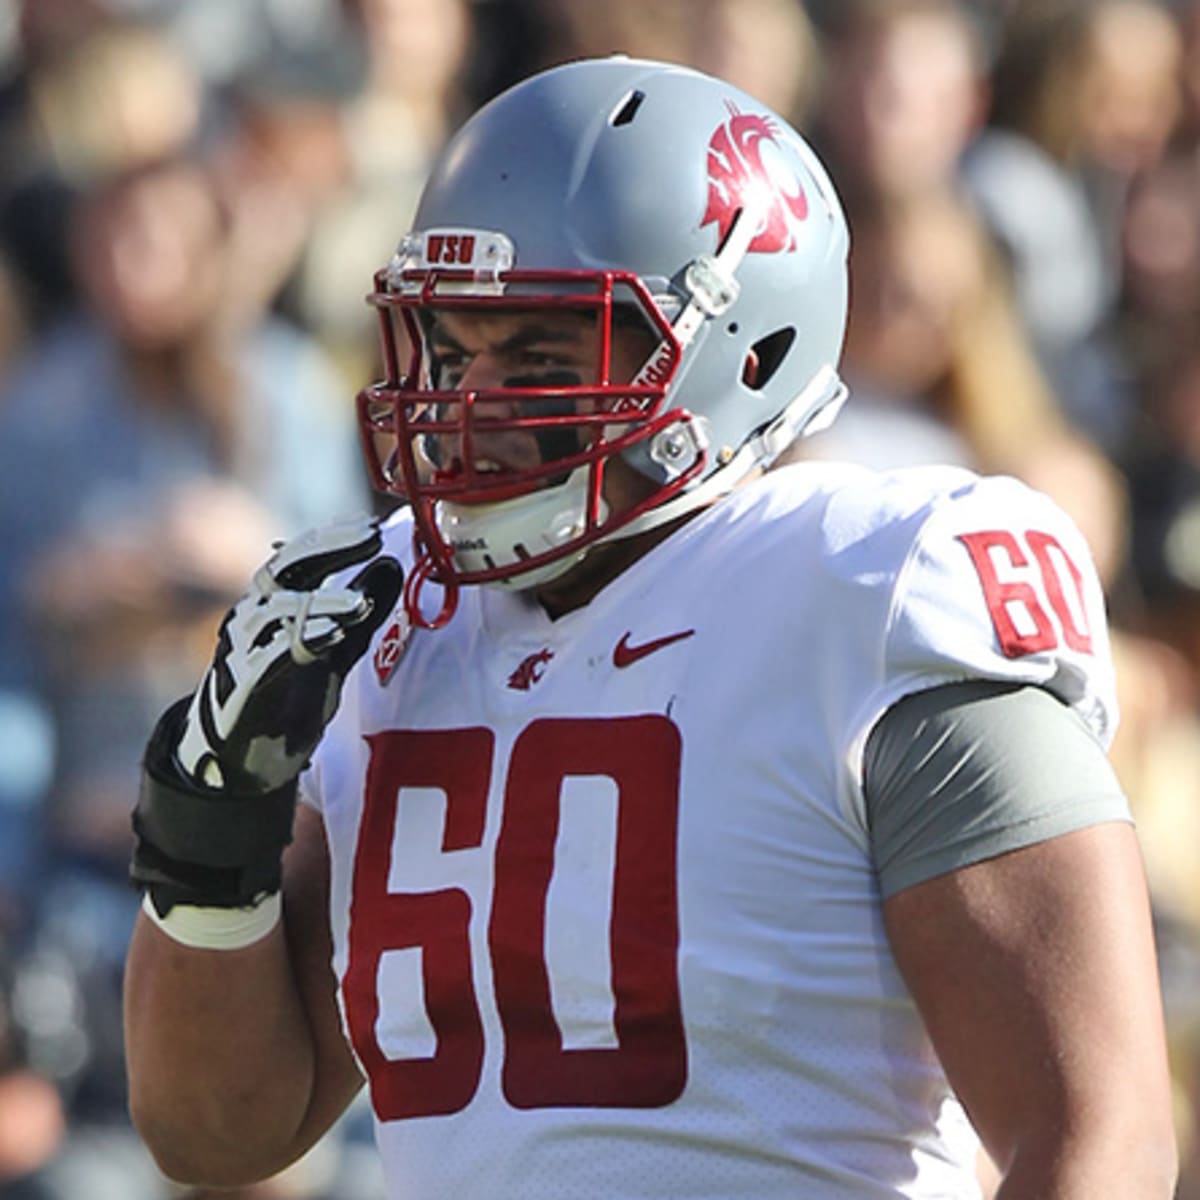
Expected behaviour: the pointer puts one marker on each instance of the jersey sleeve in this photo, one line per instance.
(964, 578)
(1000, 584)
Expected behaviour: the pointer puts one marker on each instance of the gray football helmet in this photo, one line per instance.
(615, 187)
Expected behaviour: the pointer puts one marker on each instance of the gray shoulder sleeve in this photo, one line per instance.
(968, 771)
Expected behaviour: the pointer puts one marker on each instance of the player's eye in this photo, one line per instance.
(557, 361)
(447, 367)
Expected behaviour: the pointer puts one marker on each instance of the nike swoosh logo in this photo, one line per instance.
(625, 655)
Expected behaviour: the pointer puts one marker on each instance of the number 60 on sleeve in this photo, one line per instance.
(1022, 576)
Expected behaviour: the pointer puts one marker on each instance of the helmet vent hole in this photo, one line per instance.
(770, 352)
(627, 109)
(733, 328)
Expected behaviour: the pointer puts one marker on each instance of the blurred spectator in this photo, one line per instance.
(416, 53)
(412, 93)
(93, 97)
(1160, 748)
(936, 357)
(766, 47)
(906, 90)
(940, 366)
(1022, 178)
(1131, 98)
(150, 449)
(1188, 128)
(1160, 262)
(325, 150)
(126, 95)
(101, 429)
(281, 161)
(1165, 478)
(1086, 93)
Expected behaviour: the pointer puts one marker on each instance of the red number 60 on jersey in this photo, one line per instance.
(648, 1066)
(1011, 590)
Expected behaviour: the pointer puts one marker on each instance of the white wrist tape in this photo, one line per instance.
(218, 928)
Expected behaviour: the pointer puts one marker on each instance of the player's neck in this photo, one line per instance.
(599, 567)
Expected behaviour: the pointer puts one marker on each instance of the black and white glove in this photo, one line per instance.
(220, 772)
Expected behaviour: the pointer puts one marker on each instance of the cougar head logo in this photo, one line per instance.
(749, 166)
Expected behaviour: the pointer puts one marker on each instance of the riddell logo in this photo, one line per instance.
(530, 670)
(746, 157)
(659, 371)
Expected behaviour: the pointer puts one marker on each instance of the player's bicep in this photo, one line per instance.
(306, 900)
(1035, 975)
(963, 772)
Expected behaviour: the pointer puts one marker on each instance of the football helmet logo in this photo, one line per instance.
(747, 155)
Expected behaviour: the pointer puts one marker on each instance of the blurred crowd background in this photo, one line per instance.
(193, 197)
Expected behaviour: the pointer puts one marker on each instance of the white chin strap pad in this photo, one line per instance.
(500, 535)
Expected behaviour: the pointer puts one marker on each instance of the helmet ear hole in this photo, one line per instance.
(769, 353)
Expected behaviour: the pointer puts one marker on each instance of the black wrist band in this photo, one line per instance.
(200, 845)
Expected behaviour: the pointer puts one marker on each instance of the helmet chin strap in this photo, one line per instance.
(811, 411)
(485, 534)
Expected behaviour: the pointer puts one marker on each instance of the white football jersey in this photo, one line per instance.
(603, 905)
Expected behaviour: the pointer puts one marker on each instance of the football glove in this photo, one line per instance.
(220, 772)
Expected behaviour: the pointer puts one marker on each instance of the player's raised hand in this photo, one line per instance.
(283, 653)
(220, 774)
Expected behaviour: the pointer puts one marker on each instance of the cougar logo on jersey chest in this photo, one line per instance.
(530, 670)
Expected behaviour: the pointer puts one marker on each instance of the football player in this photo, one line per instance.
(631, 820)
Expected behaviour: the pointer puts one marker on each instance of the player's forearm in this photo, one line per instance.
(219, 1055)
(235, 1055)
(1137, 1164)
